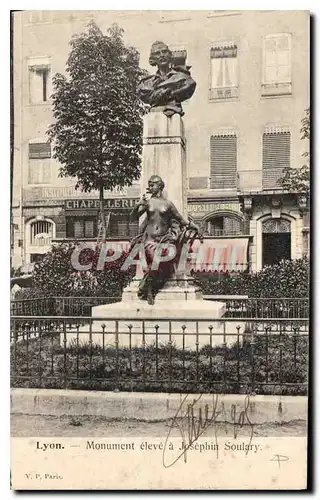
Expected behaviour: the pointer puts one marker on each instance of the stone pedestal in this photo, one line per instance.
(170, 317)
(164, 154)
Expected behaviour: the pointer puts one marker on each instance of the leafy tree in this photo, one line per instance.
(97, 134)
(298, 179)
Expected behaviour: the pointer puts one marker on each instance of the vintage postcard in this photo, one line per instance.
(160, 249)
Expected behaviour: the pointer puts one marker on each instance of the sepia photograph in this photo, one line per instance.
(160, 249)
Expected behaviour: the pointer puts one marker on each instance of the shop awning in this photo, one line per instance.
(220, 255)
(213, 255)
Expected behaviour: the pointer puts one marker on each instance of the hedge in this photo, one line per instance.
(288, 279)
(55, 275)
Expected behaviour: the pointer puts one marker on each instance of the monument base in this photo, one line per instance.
(173, 289)
(188, 323)
(170, 318)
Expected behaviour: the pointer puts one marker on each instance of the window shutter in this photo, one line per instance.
(223, 167)
(276, 150)
(275, 157)
(40, 150)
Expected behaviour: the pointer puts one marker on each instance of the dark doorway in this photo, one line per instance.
(275, 247)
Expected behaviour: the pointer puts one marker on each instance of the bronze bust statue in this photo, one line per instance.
(163, 224)
(170, 85)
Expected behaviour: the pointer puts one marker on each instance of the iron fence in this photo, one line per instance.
(235, 307)
(58, 306)
(261, 356)
(264, 307)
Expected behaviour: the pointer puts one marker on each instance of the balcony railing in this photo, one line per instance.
(276, 89)
(223, 93)
(258, 180)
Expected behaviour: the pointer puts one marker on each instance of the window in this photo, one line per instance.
(39, 80)
(39, 16)
(41, 233)
(223, 162)
(118, 226)
(277, 65)
(224, 226)
(179, 57)
(39, 163)
(224, 71)
(81, 227)
(276, 226)
(121, 226)
(275, 157)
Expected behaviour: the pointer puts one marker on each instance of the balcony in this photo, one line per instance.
(275, 89)
(259, 180)
(225, 93)
(250, 180)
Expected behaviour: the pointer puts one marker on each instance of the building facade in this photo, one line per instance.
(242, 128)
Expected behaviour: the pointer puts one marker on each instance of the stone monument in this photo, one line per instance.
(164, 178)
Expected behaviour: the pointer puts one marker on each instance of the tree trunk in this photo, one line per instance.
(103, 232)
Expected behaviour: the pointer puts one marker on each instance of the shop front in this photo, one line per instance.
(82, 217)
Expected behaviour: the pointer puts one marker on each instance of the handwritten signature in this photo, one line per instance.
(191, 422)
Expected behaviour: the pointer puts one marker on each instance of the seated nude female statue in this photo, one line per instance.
(163, 224)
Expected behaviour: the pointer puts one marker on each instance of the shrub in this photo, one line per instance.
(55, 275)
(288, 279)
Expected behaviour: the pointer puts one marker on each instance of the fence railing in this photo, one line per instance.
(58, 306)
(265, 307)
(261, 356)
(235, 307)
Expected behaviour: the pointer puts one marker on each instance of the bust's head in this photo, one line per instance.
(160, 55)
(155, 184)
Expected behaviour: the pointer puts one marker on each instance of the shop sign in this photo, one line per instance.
(120, 203)
(213, 207)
